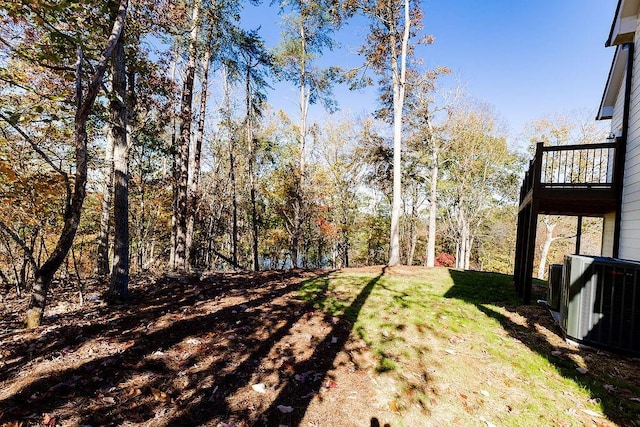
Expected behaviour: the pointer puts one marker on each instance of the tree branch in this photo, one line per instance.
(26, 57)
(96, 81)
(38, 150)
(27, 250)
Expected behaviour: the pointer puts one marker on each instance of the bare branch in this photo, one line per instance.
(21, 54)
(38, 150)
(96, 81)
(48, 24)
(27, 250)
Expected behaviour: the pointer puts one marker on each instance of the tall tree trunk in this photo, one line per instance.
(413, 241)
(252, 161)
(232, 168)
(186, 117)
(195, 159)
(119, 285)
(234, 201)
(461, 238)
(298, 200)
(174, 170)
(102, 265)
(463, 245)
(142, 226)
(44, 274)
(433, 208)
(399, 79)
(254, 214)
(544, 252)
(413, 225)
(345, 246)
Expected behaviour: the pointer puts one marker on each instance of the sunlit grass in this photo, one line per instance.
(451, 348)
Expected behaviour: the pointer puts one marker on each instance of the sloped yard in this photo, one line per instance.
(357, 347)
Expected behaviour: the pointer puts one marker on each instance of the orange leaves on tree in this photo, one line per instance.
(326, 227)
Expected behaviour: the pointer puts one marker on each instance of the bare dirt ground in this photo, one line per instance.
(217, 350)
(222, 349)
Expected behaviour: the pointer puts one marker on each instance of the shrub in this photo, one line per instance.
(445, 260)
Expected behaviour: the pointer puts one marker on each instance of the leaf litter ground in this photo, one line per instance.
(315, 348)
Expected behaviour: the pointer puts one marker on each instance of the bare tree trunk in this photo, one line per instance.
(195, 159)
(234, 201)
(345, 249)
(119, 285)
(413, 225)
(232, 168)
(544, 252)
(413, 241)
(433, 208)
(399, 79)
(252, 162)
(142, 227)
(44, 275)
(468, 246)
(254, 218)
(102, 267)
(186, 116)
(174, 172)
(461, 244)
(298, 200)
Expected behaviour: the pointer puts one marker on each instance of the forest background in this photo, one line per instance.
(160, 135)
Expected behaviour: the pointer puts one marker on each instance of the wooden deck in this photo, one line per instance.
(573, 180)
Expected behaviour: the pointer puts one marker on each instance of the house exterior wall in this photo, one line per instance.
(630, 213)
(608, 227)
(616, 119)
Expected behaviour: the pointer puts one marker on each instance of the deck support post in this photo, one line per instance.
(578, 234)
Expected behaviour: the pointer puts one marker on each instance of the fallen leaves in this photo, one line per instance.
(49, 420)
(137, 372)
(592, 413)
(159, 395)
(134, 392)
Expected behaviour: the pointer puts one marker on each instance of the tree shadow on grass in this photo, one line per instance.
(321, 362)
(489, 290)
(293, 391)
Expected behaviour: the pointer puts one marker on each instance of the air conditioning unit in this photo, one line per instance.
(600, 302)
(554, 286)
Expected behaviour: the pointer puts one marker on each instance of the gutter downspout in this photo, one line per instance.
(621, 149)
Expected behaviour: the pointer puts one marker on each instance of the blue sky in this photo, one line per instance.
(527, 58)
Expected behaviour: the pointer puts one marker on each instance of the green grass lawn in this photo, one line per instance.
(457, 348)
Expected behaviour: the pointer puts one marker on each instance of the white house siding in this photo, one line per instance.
(608, 227)
(630, 219)
(607, 234)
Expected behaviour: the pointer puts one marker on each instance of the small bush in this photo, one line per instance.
(445, 260)
(386, 365)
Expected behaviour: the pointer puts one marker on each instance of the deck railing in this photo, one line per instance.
(571, 166)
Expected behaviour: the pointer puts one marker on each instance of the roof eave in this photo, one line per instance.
(624, 23)
(614, 83)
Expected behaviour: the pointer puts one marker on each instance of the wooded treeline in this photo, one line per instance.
(148, 142)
